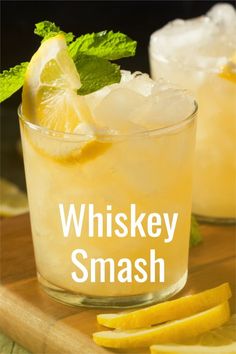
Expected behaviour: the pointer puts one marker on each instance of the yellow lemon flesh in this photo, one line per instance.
(167, 311)
(170, 332)
(13, 201)
(50, 89)
(50, 100)
(198, 349)
(221, 340)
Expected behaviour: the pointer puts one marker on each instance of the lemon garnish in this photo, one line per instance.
(218, 341)
(169, 310)
(193, 349)
(50, 96)
(50, 100)
(169, 332)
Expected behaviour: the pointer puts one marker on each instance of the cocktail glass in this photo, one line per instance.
(151, 168)
(194, 54)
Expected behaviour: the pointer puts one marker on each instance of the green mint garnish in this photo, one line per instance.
(91, 53)
(195, 234)
(47, 29)
(95, 73)
(106, 45)
(12, 80)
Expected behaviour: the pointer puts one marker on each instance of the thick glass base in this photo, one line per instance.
(215, 220)
(75, 299)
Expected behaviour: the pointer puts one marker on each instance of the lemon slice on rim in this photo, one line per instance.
(50, 100)
(218, 341)
(50, 89)
(168, 310)
(169, 332)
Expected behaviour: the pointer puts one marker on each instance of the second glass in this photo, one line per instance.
(198, 51)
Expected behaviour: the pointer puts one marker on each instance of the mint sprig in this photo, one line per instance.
(106, 45)
(12, 80)
(95, 73)
(92, 54)
(48, 29)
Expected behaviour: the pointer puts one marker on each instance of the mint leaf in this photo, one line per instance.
(43, 28)
(195, 234)
(106, 45)
(90, 52)
(11, 80)
(47, 29)
(95, 73)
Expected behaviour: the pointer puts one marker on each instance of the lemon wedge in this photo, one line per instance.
(166, 311)
(229, 70)
(50, 100)
(197, 349)
(50, 89)
(170, 332)
(13, 201)
(221, 340)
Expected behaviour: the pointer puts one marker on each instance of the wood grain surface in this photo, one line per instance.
(41, 325)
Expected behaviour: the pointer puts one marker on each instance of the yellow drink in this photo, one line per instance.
(212, 42)
(151, 169)
(109, 179)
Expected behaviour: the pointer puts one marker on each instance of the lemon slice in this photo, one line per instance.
(229, 70)
(50, 100)
(13, 201)
(50, 89)
(170, 332)
(221, 340)
(169, 310)
(197, 349)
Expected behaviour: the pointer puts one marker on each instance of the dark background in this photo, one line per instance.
(138, 19)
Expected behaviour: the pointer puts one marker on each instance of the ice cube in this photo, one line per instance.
(141, 83)
(174, 39)
(93, 99)
(146, 115)
(138, 103)
(169, 107)
(204, 42)
(114, 109)
(223, 14)
(164, 88)
(174, 108)
(126, 76)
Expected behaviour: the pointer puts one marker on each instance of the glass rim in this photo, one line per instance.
(113, 135)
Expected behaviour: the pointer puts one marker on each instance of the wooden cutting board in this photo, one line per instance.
(42, 325)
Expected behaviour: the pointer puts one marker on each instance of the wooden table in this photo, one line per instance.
(41, 325)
